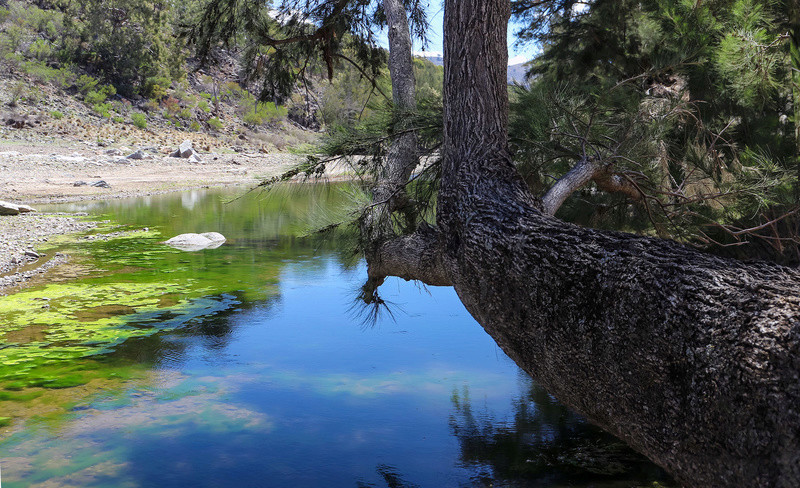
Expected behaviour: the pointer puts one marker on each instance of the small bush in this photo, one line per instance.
(46, 74)
(12, 37)
(40, 49)
(303, 148)
(56, 115)
(139, 120)
(94, 97)
(103, 109)
(194, 126)
(86, 83)
(118, 120)
(203, 105)
(156, 87)
(17, 92)
(232, 91)
(185, 113)
(262, 113)
(100, 95)
(122, 106)
(215, 123)
(172, 105)
(150, 106)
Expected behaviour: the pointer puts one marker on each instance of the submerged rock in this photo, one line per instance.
(196, 242)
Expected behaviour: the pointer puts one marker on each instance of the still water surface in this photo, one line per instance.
(250, 365)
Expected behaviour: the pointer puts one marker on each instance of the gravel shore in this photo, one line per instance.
(70, 171)
(20, 236)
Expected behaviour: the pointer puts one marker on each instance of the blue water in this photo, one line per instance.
(294, 389)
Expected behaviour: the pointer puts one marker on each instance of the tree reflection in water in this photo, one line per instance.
(545, 444)
(391, 477)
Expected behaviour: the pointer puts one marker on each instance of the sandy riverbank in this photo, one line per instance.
(66, 172)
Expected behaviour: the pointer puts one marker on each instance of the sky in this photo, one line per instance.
(436, 20)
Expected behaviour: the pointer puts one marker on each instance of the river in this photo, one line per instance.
(253, 365)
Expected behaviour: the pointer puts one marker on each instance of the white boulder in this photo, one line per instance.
(196, 242)
(7, 208)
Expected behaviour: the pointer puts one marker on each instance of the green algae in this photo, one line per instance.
(63, 336)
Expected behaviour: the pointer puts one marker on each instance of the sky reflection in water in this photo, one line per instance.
(278, 384)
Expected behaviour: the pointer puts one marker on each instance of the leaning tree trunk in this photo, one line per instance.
(691, 359)
(794, 56)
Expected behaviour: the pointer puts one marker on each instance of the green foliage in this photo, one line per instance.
(156, 87)
(17, 91)
(233, 92)
(63, 77)
(429, 79)
(350, 97)
(56, 115)
(679, 99)
(194, 126)
(121, 42)
(86, 83)
(40, 49)
(139, 120)
(125, 41)
(260, 113)
(214, 123)
(746, 60)
(103, 109)
(99, 95)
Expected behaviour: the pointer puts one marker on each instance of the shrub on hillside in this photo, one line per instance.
(139, 120)
(264, 112)
(103, 109)
(215, 123)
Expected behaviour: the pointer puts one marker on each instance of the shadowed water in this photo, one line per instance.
(248, 365)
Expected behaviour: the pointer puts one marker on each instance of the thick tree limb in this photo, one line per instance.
(692, 359)
(580, 174)
(413, 257)
(586, 170)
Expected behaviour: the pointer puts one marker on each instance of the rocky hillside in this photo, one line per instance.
(50, 87)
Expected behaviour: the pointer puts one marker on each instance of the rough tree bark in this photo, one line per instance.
(794, 54)
(692, 359)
